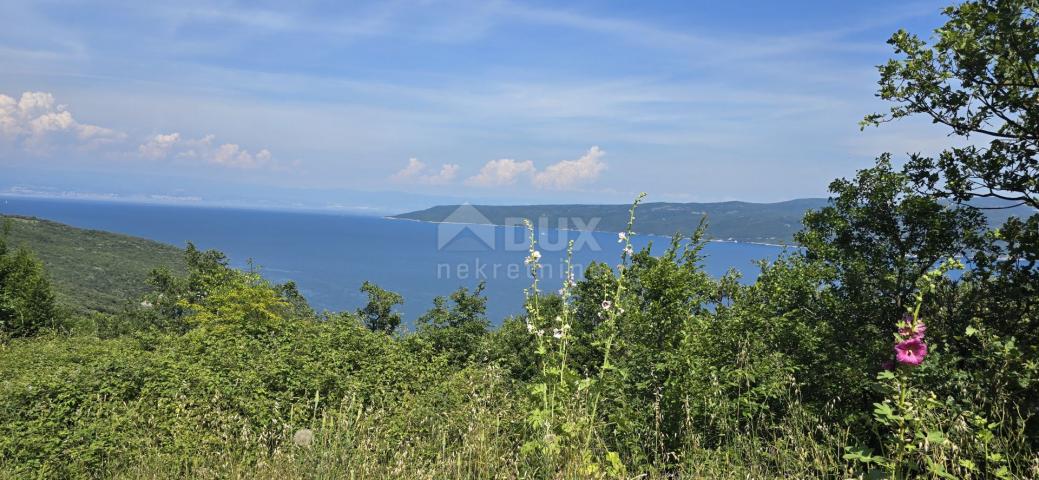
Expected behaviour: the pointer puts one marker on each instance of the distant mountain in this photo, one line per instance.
(739, 221)
(92, 270)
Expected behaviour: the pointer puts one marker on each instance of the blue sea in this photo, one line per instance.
(330, 255)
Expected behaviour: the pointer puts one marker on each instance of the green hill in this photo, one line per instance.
(91, 269)
(740, 221)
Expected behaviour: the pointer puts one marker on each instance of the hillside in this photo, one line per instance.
(741, 221)
(91, 269)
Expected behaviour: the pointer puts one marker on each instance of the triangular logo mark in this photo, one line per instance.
(465, 229)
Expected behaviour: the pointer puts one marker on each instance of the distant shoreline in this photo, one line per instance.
(713, 240)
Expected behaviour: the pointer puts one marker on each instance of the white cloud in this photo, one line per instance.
(447, 173)
(562, 175)
(159, 146)
(499, 172)
(162, 146)
(571, 173)
(414, 168)
(415, 172)
(232, 155)
(37, 123)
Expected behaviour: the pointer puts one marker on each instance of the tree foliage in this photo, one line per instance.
(980, 78)
(26, 298)
(458, 330)
(378, 314)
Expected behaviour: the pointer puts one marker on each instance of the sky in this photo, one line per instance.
(390, 106)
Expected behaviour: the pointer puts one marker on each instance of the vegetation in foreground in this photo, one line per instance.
(859, 356)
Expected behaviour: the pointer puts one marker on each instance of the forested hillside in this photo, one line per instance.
(741, 221)
(775, 223)
(92, 270)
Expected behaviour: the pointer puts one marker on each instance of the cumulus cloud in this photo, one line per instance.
(500, 172)
(37, 123)
(418, 172)
(205, 149)
(570, 173)
(232, 155)
(562, 175)
(158, 146)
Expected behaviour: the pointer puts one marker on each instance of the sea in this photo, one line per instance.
(329, 255)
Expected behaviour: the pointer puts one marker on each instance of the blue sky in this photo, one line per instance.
(393, 105)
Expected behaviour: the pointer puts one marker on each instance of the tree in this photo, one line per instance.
(378, 314)
(880, 236)
(300, 308)
(26, 298)
(173, 295)
(457, 331)
(874, 240)
(980, 77)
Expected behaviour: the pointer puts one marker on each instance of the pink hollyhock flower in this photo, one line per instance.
(911, 352)
(910, 328)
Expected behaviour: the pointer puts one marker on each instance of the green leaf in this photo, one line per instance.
(883, 410)
(861, 455)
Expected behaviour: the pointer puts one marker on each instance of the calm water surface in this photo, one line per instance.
(330, 255)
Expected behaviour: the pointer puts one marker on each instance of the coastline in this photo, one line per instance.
(712, 240)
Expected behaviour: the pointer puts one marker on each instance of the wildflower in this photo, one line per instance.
(912, 328)
(534, 257)
(911, 351)
(622, 236)
(606, 304)
(629, 251)
(303, 437)
(557, 333)
(530, 327)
